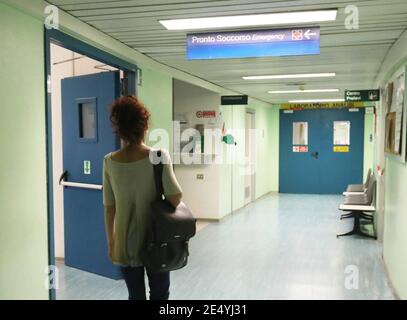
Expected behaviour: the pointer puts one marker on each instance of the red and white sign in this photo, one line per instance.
(301, 149)
(296, 35)
(206, 114)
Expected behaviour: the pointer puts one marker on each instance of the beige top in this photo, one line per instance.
(130, 186)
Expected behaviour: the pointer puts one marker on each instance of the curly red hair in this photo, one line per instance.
(130, 119)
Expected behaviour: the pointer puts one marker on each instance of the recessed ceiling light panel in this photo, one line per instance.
(290, 76)
(303, 91)
(268, 19)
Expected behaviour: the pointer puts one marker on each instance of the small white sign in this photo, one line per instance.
(86, 167)
(370, 110)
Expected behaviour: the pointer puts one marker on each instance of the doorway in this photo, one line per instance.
(250, 155)
(82, 83)
(321, 150)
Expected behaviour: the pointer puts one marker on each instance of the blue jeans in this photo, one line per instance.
(159, 284)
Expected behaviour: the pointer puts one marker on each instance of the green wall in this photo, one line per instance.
(156, 93)
(268, 124)
(395, 219)
(394, 182)
(23, 210)
(395, 226)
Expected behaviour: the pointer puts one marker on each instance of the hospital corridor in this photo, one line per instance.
(198, 151)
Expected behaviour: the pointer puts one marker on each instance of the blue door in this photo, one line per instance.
(87, 137)
(321, 150)
(341, 163)
(300, 152)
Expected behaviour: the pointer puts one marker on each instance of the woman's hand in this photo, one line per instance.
(110, 212)
(110, 249)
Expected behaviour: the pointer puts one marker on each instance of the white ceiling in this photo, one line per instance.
(355, 55)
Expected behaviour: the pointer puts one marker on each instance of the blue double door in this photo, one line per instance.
(87, 137)
(321, 150)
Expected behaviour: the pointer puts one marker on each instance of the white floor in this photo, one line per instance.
(280, 247)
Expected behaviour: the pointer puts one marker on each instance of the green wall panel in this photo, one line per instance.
(23, 204)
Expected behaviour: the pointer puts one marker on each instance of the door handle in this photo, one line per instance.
(63, 182)
(81, 185)
(63, 176)
(315, 154)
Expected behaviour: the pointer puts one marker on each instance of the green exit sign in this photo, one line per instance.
(86, 167)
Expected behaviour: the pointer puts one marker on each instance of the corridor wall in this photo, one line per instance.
(23, 187)
(156, 93)
(394, 183)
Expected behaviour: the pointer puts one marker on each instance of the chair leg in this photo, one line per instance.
(366, 216)
(352, 232)
(347, 215)
(356, 229)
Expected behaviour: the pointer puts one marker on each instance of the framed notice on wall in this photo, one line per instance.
(395, 121)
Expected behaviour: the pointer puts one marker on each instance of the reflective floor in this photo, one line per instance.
(280, 247)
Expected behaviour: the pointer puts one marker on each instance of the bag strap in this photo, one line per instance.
(158, 173)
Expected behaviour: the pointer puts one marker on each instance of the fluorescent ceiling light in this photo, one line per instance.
(290, 76)
(304, 91)
(316, 100)
(293, 18)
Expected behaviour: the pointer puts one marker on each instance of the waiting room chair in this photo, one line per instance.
(359, 188)
(358, 205)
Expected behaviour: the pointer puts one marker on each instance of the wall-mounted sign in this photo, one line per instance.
(343, 149)
(370, 110)
(206, 114)
(86, 167)
(300, 149)
(325, 105)
(253, 43)
(362, 95)
(234, 100)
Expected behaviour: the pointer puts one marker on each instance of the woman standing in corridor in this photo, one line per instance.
(128, 190)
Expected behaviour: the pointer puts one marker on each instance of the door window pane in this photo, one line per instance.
(300, 133)
(87, 121)
(341, 133)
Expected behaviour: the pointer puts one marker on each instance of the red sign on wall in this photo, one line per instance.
(300, 148)
(206, 114)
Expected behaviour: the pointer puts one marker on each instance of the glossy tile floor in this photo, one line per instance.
(280, 247)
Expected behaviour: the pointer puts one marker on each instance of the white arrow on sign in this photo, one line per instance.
(308, 34)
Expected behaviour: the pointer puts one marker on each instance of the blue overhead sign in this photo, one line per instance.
(254, 43)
